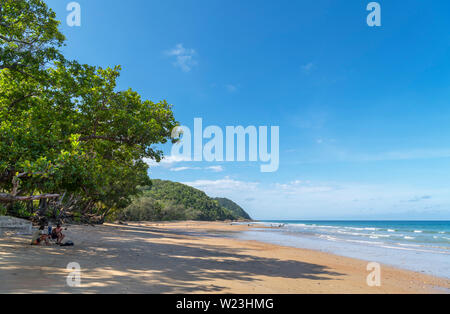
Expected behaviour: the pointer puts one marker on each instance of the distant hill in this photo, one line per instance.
(233, 207)
(167, 200)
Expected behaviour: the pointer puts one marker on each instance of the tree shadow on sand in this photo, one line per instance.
(143, 265)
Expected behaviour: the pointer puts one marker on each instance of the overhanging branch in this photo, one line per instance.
(8, 198)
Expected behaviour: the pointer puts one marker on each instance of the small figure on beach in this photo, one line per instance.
(57, 234)
(39, 237)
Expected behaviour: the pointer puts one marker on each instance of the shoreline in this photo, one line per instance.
(393, 244)
(262, 225)
(191, 257)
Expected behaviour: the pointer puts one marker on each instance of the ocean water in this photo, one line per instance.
(422, 246)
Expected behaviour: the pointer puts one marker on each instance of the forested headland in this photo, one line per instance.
(167, 200)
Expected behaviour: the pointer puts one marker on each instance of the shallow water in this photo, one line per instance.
(422, 246)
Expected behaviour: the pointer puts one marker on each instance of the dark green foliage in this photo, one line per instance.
(233, 207)
(148, 209)
(68, 136)
(166, 200)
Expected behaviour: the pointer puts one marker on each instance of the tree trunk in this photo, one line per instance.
(43, 207)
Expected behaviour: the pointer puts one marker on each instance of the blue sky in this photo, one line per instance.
(363, 112)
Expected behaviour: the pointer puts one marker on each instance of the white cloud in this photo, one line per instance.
(178, 169)
(299, 187)
(307, 68)
(167, 161)
(300, 199)
(211, 168)
(215, 168)
(218, 187)
(184, 57)
(420, 198)
(171, 161)
(231, 88)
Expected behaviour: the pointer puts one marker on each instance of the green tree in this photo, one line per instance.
(65, 130)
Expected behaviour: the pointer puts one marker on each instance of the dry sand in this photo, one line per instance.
(189, 257)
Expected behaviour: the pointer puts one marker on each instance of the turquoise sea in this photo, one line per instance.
(422, 246)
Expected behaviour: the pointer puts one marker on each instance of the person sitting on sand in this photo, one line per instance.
(57, 234)
(39, 237)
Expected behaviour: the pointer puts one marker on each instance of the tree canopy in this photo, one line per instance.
(66, 133)
(167, 200)
(233, 207)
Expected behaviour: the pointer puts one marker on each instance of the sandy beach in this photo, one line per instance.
(189, 257)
